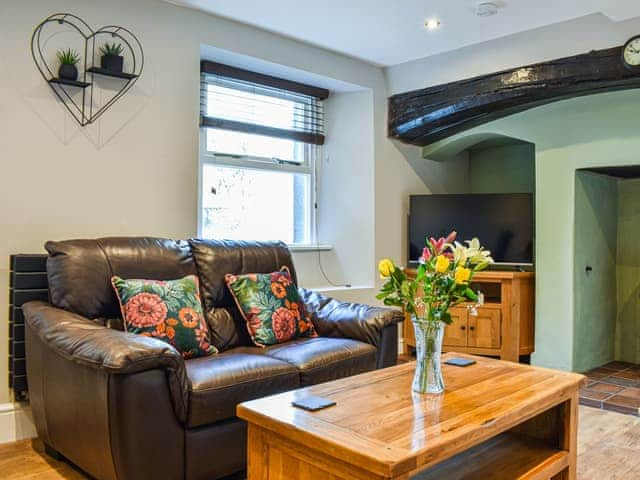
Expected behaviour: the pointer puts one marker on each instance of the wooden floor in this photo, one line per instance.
(608, 445)
(608, 448)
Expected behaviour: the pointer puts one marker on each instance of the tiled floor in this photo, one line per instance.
(614, 386)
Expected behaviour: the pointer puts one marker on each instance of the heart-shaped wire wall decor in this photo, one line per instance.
(79, 96)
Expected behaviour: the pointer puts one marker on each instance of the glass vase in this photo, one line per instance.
(428, 376)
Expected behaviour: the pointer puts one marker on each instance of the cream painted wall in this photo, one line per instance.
(136, 172)
(346, 195)
(502, 169)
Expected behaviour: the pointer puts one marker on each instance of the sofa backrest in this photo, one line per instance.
(80, 271)
(214, 259)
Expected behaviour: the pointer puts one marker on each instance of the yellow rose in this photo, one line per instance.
(462, 275)
(442, 263)
(386, 267)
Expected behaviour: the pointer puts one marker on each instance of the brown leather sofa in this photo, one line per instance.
(123, 406)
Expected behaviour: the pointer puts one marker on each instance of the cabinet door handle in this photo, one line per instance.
(463, 327)
(472, 328)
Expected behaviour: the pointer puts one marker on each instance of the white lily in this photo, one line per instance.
(474, 243)
(483, 256)
(459, 253)
(476, 254)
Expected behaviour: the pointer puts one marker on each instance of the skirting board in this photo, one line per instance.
(16, 422)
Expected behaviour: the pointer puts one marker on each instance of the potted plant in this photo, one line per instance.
(68, 60)
(442, 281)
(112, 59)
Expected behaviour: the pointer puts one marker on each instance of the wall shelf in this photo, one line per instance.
(86, 109)
(109, 73)
(71, 83)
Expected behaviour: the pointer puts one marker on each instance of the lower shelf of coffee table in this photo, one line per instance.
(507, 456)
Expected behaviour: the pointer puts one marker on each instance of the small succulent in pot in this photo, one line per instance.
(68, 60)
(112, 59)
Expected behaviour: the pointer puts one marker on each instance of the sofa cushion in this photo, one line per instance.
(168, 310)
(220, 382)
(80, 271)
(271, 306)
(214, 260)
(323, 359)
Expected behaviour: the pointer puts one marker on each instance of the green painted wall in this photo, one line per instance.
(595, 305)
(503, 169)
(628, 272)
(592, 131)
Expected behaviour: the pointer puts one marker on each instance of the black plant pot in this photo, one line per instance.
(68, 72)
(113, 63)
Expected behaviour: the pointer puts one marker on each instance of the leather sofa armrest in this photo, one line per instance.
(333, 318)
(88, 343)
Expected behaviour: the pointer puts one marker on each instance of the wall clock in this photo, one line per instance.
(631, 54)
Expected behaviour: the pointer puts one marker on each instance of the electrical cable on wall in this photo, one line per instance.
(316, 181)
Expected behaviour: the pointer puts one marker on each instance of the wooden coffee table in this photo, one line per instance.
(496, 420)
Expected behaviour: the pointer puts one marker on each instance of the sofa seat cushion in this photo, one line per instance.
(323, 359)
(220, 382)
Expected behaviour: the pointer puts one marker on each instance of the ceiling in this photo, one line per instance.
(388, 32)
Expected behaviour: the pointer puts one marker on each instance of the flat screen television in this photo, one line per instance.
(504, 223)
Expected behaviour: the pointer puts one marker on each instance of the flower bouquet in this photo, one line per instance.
(442, 281)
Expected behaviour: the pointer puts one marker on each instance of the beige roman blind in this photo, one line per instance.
(249, 102)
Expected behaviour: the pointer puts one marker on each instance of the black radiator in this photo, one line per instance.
(28, 281)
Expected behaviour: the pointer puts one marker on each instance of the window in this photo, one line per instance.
(260, 138)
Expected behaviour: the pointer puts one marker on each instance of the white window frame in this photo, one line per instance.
(312, 155)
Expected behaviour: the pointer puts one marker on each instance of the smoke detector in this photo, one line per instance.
(487, 9)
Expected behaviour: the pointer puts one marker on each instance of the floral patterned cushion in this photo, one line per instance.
(168, 310)
(271, 306)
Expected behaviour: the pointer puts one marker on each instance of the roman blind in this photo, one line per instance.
(249, 102)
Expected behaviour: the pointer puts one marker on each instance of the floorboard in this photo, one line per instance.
(608, 448)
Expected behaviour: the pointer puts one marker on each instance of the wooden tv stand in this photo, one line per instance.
(504, 326)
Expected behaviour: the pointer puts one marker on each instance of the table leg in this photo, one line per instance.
(257, 451)
(569, 437)
(558, 427)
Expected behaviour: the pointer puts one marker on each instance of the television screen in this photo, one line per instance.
(504, 223)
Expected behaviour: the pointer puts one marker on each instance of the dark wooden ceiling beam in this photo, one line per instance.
(422, 117)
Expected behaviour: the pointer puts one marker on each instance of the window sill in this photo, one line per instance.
(341, 288)
(309, 248)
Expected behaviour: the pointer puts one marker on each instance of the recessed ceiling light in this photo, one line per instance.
(432, 24)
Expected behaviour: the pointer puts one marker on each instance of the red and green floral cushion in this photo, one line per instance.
(271, 306)
(167, 310)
